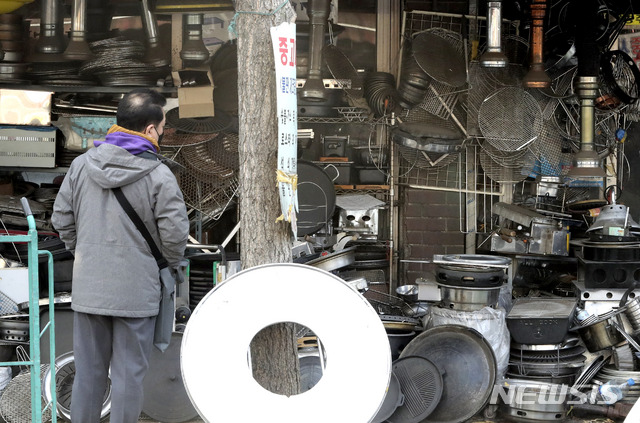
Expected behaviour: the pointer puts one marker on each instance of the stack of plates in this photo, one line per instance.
(118, 62)
(58, 74)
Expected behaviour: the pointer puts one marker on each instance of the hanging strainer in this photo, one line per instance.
(210, 182)
(505, 168)
(510, 119)
(483, 81)
(343, 71)
(15, 402)
(439, 54)
(551, 151)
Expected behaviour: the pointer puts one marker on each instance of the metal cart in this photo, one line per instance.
(33, 363)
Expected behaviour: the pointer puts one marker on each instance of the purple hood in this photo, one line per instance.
(134, 144)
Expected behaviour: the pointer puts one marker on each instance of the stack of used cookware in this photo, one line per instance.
(608, 321)
(545, 357)
(470, 282)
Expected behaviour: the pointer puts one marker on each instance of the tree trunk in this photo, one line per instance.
(262, 239)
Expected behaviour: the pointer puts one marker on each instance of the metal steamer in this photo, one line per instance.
(470, 282)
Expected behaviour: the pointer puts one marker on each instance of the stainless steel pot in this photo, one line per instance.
(468, 298)
(600, 335)
(530, 401)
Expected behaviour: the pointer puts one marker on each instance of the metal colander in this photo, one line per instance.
(510, 119)
(210, 180)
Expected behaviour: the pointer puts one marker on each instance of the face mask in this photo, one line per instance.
(159, 135)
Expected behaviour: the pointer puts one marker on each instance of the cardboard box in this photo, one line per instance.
(195, 92)
(25, 107)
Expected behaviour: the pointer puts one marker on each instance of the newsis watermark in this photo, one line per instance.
(544, 394)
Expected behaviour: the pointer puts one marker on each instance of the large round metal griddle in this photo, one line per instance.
(468, 365)
(316, 198)
(165, 397)
(421, 383)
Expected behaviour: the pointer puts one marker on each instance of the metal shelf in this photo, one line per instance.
(82, 89)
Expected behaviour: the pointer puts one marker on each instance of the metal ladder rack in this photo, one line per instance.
(34, 320)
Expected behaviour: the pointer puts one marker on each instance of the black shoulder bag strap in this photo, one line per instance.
(128, 208)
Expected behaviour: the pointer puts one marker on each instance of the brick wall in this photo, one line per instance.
(429, 224)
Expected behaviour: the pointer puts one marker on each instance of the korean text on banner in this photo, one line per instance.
(283, 38)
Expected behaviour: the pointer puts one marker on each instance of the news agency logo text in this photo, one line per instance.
(544, 394)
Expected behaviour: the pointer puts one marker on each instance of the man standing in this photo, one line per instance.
(116, 287)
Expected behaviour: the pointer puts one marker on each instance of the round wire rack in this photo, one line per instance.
(502, 110)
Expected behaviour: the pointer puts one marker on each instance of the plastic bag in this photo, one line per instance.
(490, 322)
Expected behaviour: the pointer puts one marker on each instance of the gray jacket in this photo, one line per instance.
(114, 272)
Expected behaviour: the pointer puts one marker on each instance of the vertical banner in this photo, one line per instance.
(283, 38)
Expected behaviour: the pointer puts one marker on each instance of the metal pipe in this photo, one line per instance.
(154, 55)
(150, 24)
(78, 48)
(313, 89)
(193, 52)
(537, 77)
(51, 39)
(493, 57)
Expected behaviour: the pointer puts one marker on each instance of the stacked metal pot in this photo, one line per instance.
(470, 282)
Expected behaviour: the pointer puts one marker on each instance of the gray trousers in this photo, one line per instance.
(103, 342)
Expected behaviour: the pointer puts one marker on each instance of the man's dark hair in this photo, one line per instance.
(139, 108)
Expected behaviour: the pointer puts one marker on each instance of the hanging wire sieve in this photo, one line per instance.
(439, 53)
(510, 119)
(506, 168)
(344, 73)
(210, 180)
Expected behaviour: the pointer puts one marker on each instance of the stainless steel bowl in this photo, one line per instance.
(408, 293)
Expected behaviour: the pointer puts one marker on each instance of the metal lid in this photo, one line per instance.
(468, 364)
(528, 308)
